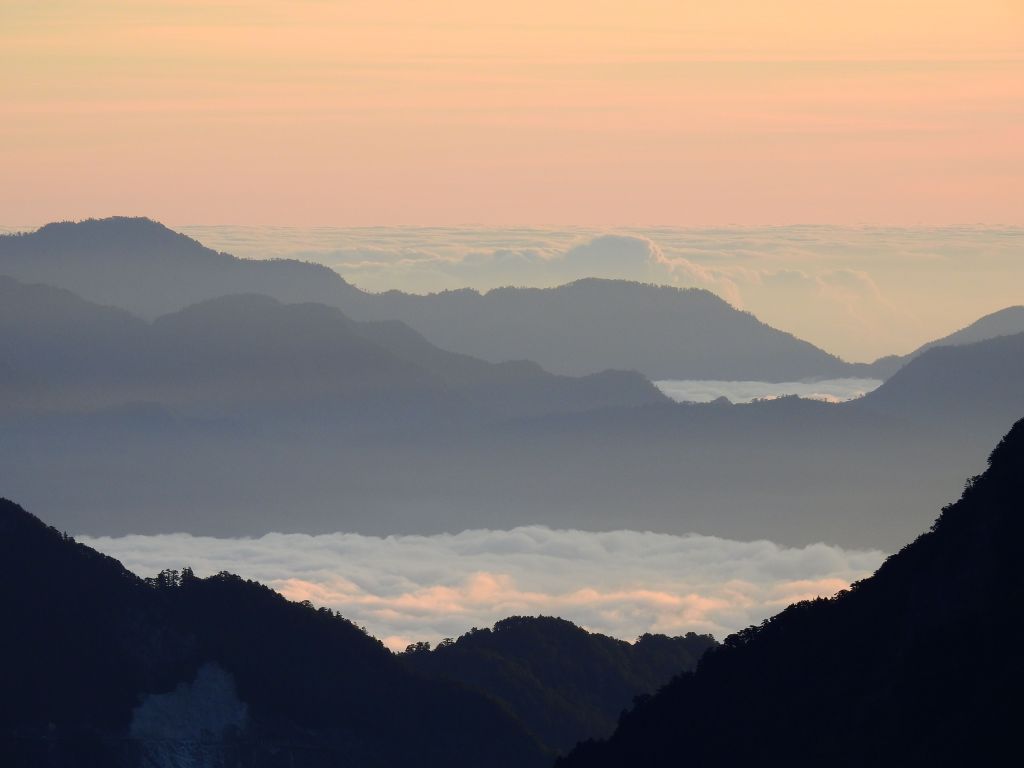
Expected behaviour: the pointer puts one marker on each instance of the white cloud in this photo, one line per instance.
(623, 583)
(705, 391)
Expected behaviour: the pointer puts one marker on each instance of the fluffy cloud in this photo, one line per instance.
(623, 583)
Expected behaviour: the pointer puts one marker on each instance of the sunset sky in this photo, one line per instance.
(556, 112)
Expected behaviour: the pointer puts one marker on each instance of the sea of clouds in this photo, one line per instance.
(621, 583)
(707, 390)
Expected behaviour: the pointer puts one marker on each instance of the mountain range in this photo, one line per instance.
(244, 413)
(916, 665)
(1005, 322)
(581, 328)
(243, 350)
(107, 669)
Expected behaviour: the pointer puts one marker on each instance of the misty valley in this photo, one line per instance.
(255, 515)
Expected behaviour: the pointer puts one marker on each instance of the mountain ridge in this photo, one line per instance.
(177, 669)
(580, 328)
(875, 675)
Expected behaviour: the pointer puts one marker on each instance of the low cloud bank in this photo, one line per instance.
(704, 391)
(621, 583)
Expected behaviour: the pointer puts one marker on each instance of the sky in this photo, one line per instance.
(404, 589)
(561, 112)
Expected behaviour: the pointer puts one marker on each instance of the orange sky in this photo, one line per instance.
(448, 112)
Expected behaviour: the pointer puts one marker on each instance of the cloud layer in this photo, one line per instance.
(828, 390)
(622, 583)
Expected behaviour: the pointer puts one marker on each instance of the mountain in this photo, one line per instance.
(661, 331)
(103, 668)
(917, 665)
(243, 415)
(577, 329)
(564, 683)
(976, 383)
(1005, 322)
(149, 270)
(247, 350)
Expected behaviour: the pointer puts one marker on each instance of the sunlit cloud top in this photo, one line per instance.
(655, 111)
(622, 583)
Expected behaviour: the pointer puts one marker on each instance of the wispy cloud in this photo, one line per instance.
(623, 583)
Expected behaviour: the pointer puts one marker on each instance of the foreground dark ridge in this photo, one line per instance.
(101, 668)
(564, 683)
(918, 665)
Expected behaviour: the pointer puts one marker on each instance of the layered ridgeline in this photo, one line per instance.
(918, 665)
(563, 683)
(106, 669)
(60, 352)
(1005, 322)
(103, 668)
(243, 415)
(577, 329)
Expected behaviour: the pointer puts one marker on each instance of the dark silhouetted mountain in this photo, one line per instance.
(1005, 322)
(101, 668)
(564, 683)
(918, 665)
(577, 329)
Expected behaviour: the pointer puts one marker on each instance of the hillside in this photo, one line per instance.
(1005, 322)
(580, 328)
(661, 331)
(245, 350)
(108, 669)
(149, 270)
(916, 665)
(562, 682)
(978, 384)
(260, 420)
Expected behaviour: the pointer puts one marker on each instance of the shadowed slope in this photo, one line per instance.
(1005, 322)
(563, 682)
(63, 351)
(581, 328)
(917, 665)
(88, 644)
(150, 270)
